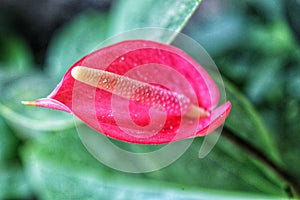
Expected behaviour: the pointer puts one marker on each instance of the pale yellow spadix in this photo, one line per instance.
(138, 91)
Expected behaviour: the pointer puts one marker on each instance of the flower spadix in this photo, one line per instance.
(175, 104)
(140, 91)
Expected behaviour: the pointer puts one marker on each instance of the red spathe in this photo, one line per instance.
(122, 119)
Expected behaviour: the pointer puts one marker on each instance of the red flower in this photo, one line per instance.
(140, 91)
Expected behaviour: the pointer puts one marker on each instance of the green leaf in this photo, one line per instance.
(8, 74)
(8, 142)
(224, 168)
(13, 184)
(76, 39)
(30, 121)
(271, 40)
(57, 171)
(15, 54)
(168, 14)
(238, 168)
(265, 81)
(247, 123)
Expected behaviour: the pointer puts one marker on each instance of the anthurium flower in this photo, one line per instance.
(140, 91)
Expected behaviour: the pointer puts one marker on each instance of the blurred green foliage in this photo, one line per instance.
(252, 43)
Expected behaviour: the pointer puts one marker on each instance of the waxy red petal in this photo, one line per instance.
(128, 120)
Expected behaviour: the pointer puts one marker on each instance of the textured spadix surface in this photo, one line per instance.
(169, 72)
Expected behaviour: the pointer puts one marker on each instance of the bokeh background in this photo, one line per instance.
(255, 45)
